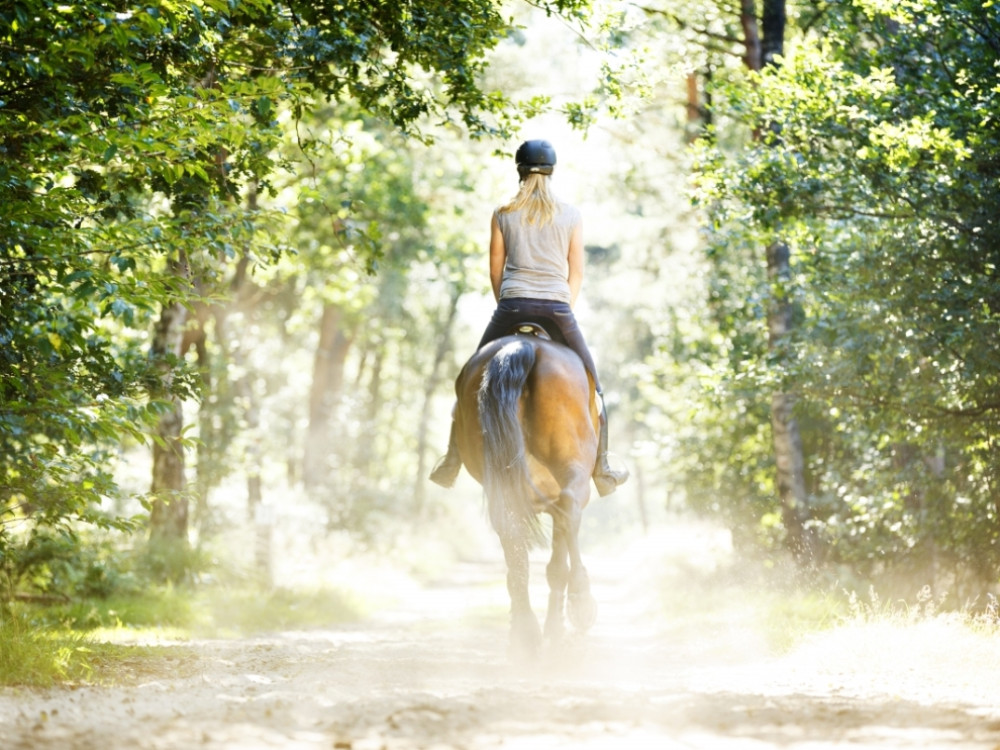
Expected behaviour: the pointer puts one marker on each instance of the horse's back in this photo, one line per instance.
(552, 361)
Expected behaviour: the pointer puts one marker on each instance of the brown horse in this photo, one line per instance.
(526, 428)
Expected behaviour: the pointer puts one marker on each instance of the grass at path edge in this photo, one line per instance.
(111, 641)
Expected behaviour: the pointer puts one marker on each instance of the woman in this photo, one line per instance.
(536, 269)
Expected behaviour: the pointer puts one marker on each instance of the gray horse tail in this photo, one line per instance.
(510, 493)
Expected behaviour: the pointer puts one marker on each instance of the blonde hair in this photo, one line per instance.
(533, 199)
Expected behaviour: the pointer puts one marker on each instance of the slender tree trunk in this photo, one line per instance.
(431, 385)
(369, 378)
(788, 452)
(694, 125)
(640, 496)
(328, 381)
(242, 289)
(375, 397)
(168, 520)
(699, 104)
(763, 50)
(693, 105)
(751, 34)
(772, 43)
(196, 337)
(247, 391)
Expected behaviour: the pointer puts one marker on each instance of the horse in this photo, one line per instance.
(526, 426)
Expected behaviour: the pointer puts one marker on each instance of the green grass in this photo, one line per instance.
(714, 602)
(111, 641)
(236, 612)
(788, 616)
(782, 613)
(42, 657)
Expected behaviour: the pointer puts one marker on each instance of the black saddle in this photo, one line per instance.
(530, 328)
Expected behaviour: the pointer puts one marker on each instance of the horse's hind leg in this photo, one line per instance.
(525, 635)
(557, 573)
(582, 607)
(566, 570)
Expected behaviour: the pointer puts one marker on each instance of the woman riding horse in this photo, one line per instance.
(536, 269)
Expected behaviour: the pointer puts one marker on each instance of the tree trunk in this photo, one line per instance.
(242, 293)
(788, 452)
(431, 385)
(693, 105)
(168, 520)
(640, 496)
(772, 43)
(195, 337)
(371, 366)
(327, 384)
(751, 35)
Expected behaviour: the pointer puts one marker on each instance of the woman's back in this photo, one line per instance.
(536, 269)
(537, 263)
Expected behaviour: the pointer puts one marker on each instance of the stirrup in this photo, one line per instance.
(446, 470)
(607, 479)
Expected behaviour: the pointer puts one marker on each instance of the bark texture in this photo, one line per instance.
(764, 49)
(788, 452)
(168, 520)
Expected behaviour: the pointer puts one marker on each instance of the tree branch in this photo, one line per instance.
(684, 25)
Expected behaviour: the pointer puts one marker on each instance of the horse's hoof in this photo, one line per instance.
(525, 640)
(582, 611)
(554, 629)
(520, 653)
(523, 650)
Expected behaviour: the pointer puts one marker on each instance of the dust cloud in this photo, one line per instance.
(681, 657)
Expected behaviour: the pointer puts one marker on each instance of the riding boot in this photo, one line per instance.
(605, 478)
(447, 468)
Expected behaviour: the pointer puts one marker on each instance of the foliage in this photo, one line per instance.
(61, 562)
(130, 139)
(878, 163)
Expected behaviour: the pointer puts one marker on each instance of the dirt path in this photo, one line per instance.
(431, 673)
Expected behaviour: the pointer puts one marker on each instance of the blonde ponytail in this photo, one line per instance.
(533, 199)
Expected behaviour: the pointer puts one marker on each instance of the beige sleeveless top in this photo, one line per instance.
(537, 257)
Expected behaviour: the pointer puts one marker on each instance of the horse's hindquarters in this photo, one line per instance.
(526, 431)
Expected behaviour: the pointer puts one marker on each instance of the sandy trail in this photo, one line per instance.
(431, 672)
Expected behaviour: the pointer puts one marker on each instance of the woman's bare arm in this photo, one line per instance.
(576, 260)
(498, 257)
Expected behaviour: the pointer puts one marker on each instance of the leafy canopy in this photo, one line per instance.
(129, 137)
(878, 162)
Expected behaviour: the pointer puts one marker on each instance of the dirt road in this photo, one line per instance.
(431, 672)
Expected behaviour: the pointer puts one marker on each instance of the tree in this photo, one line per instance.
(765, 51)
(880, 176)
(130, 137)
(728, 47)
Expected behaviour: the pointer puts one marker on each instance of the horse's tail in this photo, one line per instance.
(510, 493)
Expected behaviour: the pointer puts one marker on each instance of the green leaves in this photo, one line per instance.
(130, 140)
(878, 161)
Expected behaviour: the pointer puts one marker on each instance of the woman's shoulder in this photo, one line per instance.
(570, 213)
(502, 214)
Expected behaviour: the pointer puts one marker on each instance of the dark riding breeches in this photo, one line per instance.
(556, 317)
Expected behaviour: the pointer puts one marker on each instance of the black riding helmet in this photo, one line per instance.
(535, 157)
